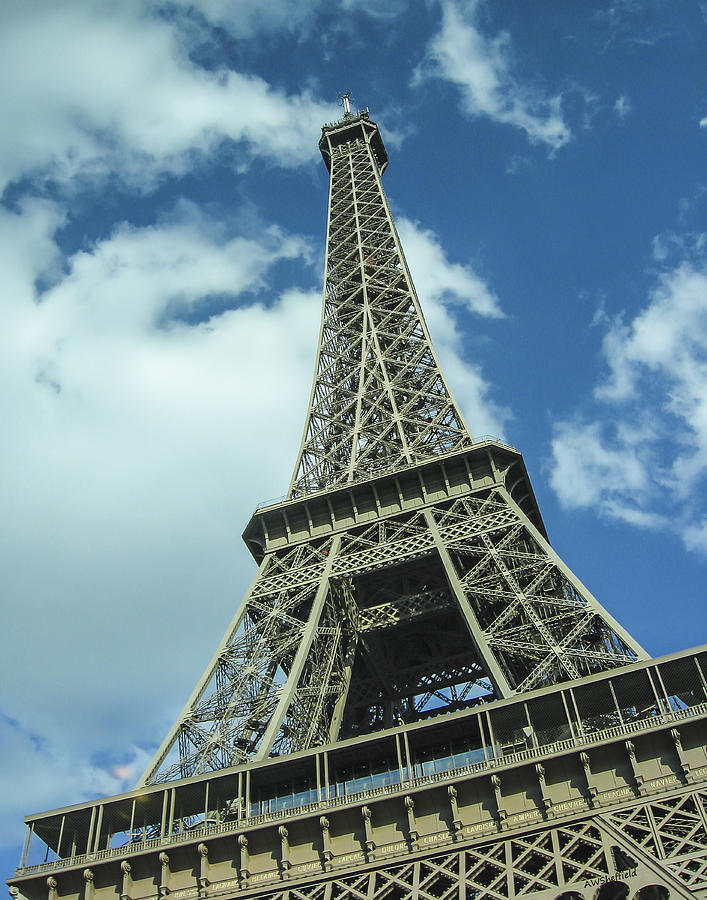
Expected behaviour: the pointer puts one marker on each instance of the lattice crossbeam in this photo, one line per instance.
(299, 659)
(379, 399)
(405, 614)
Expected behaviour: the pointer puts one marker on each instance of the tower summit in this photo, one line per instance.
(416, 698)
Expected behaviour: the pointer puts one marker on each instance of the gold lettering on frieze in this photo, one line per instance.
(262, 876)
(568, 805)
(700, 773)
(187, 892)
(394, 848)
(614, 795)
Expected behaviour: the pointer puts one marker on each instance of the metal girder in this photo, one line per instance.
(389, 620)
(399, 615)
(379, 398)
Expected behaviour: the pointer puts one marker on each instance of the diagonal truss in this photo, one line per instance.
(379, 398)
(417, 614)
(358, 621)
(587, 858)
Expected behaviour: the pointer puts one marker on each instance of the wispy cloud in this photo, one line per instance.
(438, 278)
(641, 456)
(248, 18)
(445, 288)
(481, 66)
(633, 22)
(112, 90)
(622, 106)
(58, 774)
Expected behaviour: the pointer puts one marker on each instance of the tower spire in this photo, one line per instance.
(379, 399)
(346, 103)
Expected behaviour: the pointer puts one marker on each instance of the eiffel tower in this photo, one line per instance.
(417, 699)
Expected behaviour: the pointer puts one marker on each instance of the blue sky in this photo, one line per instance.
(161, 243)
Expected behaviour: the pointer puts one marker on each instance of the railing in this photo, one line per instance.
(386, 470)
(482, 438)
(274, 502)
(205, 830)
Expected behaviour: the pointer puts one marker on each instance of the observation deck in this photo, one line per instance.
(558, 754)
(352, 128)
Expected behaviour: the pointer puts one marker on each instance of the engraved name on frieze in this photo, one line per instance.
(568, 805)
(398, 847)
(350, 857)
(308, 867)
(524, 816)
(664, 781)
(616, 793)
(263, 876)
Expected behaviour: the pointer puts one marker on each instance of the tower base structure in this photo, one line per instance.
(591, 790)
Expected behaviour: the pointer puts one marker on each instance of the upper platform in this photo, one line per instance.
(449, 476)
(350, 128)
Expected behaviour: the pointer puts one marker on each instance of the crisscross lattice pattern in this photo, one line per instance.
(544, 860)
(674, 831)
(570, 860)
(379, 400)
(390, 620)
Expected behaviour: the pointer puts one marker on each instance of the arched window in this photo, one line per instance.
(612, 890)
(652, 892)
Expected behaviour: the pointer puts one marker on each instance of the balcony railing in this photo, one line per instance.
(204, 830)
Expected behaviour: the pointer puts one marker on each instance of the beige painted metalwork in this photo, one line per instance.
(379, 399)
(407, 574)
(595, 789)
(417, 699)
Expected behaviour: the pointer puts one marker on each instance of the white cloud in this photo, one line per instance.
(130, 450)
(622, 107)
(437, 278)
(482, 68)
(703, 122)
(484, 416)
(443, 288)
(642, 457)
(585, 467)
(96, 88)
(695, 536)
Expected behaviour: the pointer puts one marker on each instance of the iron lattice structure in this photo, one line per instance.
(596, 858)
(341, 744)
(408, 573)
(379, 399)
